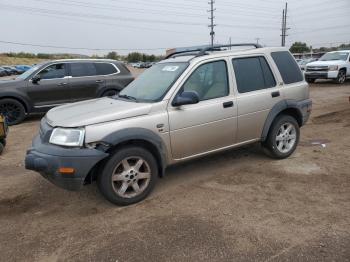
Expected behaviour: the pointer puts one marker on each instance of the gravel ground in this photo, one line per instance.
(234, 206)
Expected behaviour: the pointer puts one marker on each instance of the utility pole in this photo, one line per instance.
(284, 25)
(212, 25)
(282, 29)
(257, 40)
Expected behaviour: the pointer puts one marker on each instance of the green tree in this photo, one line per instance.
(134, 57)
(112, 55)
(299, 47)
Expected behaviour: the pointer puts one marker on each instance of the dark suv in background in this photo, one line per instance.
(59, 82)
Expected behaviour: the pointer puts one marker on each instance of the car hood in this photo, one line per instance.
(10, 83)
(325, 63)
(95, 111)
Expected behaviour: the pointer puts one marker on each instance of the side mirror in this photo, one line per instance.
(186, 98)
(36, 79)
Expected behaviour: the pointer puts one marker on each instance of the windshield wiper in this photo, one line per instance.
(128, 97)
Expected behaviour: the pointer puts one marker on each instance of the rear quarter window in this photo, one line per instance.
(105, 69)
(287, 66)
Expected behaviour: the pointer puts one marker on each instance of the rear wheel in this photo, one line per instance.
(283, 137)
(111, 92)
(128, 176)
(341, 77)
(13, 111)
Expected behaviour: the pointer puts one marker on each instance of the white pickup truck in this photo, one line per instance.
(333, 65)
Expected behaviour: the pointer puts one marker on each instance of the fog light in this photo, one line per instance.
(66, 170)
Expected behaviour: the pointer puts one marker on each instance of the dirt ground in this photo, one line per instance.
(234, 206)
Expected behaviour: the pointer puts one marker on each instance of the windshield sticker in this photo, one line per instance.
(170, 68)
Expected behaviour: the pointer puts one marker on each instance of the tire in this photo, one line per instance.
(281, 145)
(13, 111)
(109, 93)
(310, 80)
(341, 77)
(135, 173)
(1, 148)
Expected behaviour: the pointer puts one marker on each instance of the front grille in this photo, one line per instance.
(317, 68)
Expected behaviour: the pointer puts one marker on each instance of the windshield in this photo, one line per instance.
(152, 85)
(335, 56)
(28, 73)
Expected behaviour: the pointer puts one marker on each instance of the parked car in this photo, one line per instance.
(186, 106)
(12, 70)
(8, 72)
(2, 72)
(302, 63)
(22, 68)
(333, 65)
(59, 82)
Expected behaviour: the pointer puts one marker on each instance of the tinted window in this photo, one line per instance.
(209, 81)
(82, 69)
(53, 71)
(287, 66)
(105, 69)
(252, 73)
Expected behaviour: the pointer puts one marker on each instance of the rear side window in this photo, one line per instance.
(287, 66)
(82, 69)
(252, 73)
(105, 69)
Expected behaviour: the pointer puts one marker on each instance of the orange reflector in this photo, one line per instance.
(66, 170)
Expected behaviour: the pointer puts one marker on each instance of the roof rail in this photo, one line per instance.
(203, 51)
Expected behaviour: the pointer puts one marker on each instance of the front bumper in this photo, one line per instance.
(47, 159)
(321, 74)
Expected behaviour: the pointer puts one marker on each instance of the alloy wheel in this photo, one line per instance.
(131, 177)
(341, 77)
(286, 137)
(10, 111)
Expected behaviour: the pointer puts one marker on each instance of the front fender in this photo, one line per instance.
(140, 134)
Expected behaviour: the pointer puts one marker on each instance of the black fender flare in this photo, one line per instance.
(276, 110)
(141, 134)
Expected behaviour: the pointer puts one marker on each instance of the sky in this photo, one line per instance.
(152, 26)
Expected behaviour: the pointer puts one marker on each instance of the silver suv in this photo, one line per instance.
(189, 105)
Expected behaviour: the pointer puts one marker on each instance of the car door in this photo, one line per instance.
(52, 88)
(84, 81)
(257, 93)
(210, 124)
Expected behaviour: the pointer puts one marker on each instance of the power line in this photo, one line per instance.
(82, 48)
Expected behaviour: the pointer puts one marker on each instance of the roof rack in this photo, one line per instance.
(203, 51)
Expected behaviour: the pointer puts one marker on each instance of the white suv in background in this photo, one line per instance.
(333, 65)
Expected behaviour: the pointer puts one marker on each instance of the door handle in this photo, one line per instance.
(99, 81)
(227, 104)
(62, 84)
(275, 94)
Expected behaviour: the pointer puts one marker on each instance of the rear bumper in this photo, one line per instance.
(321, 75)
(305, 108)
(46, 159)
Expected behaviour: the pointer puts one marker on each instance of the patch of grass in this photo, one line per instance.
(5, 60)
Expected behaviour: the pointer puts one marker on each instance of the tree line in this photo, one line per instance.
(131, 57)
(301, 47)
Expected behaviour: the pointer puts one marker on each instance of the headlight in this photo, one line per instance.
(333, 68)
(68, 136)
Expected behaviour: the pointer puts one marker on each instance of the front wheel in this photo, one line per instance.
(283, 137)
(341, 77)
(310, 80)
(13, 111)
(128, 176)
